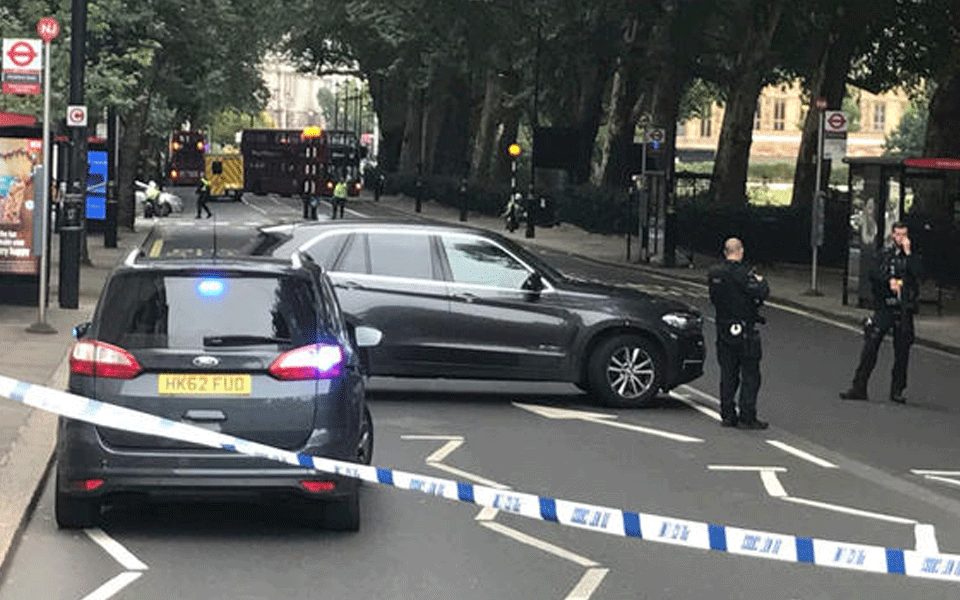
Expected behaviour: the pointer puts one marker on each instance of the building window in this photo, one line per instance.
(705, 127)
(779, 115)
(879, 116)
(757, 118)
(681, 130)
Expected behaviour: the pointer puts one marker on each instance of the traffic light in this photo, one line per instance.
(514, 150)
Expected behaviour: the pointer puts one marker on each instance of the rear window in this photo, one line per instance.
(163, 310)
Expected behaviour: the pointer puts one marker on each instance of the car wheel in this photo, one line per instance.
(625, 371)
(342, 514)
(165, 210)
(365, 443)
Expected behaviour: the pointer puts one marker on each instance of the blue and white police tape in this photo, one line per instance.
(614, 521)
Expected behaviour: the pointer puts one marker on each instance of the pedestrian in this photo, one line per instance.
(339, 198)
(737, 294)
(379, 185)
(203, 196)
(895, 279)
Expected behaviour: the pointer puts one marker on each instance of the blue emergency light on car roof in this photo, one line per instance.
(210, 287)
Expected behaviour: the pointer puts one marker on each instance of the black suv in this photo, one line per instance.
(254, 348)
(460, 302)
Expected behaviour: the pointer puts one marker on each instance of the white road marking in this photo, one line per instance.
(539, 544)
(108, 589)
(851, 511)
(468, 475)
(487, 513)
(431, 437)
(601, 419)
(926, 538)
(588, 584)
(116, 550)
(697, 406)
(943, 479)
(802, 454)
(928, 472)
(256, 208)
(703, 395)
(746, 468)
(444, 451)
(772, 484)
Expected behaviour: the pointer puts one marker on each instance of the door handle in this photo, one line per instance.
(349, 285)
(466, 297)
(204, 416)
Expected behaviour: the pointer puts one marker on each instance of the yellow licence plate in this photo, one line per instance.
(196, 384)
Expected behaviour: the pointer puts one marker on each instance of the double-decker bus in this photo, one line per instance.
(288, 162)
(186, 163)
(345, 155)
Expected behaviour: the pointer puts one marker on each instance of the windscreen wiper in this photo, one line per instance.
(242, 340)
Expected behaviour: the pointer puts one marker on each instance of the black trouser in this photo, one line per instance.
(202, 199)
(876, 328)
(339, 205)
(739, 368)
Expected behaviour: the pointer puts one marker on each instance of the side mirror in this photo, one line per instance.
(81, 330)
(367, 336)
(533, 283)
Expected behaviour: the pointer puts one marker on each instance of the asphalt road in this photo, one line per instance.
(824, 469)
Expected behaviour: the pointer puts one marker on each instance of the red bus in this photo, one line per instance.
(186, 163)
(288, 162)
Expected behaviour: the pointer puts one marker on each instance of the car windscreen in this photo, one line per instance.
(176, 310)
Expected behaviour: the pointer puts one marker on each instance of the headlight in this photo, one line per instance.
(682, 320)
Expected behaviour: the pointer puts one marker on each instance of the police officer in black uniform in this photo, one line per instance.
(896, 288)
(203, 195)
(737, 293)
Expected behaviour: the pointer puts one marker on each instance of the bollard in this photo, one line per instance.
(110, 232)
(71, 239)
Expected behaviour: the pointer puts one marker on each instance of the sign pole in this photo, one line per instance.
(41, 326)
(814, 207)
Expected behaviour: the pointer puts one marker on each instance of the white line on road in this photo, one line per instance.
(468, 475)
(745, 468)
(851, 511)
(256, 208)
(588, 584)
(697, 406)
(602, 419)
(432, 437)
(926, 538)
(487, 513)
(926, 472)
(943, 479)
(539, 544)
(802, 454)
(116, 550)
(443, 451)
(108, 589)
(703, 395)
(772, 484)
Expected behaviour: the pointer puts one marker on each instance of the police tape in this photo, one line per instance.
(613, 521)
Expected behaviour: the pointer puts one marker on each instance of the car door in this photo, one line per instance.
(497, 328)
(391, 280)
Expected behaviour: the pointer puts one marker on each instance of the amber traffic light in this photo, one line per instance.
(514, 150)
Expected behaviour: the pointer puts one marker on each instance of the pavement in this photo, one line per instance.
(28, 436)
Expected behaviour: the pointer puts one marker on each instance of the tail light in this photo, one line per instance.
(199, 145)
(174, 174)
(330, 184)
(316, 361)
(317, 487)
(100, 359)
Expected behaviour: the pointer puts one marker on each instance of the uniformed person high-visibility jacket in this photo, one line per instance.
(340, 191)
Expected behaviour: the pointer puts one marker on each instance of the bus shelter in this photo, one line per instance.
(883, 190)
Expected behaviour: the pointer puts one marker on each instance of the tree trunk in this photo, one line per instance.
(131, 128)
(410, 151)
(593, 82)
(481, 160)
(391, 103)
(615, 164)
(728, 185)
(448, 125)
(829, 82)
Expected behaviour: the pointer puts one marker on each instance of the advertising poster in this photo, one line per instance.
(97, 185)
(18, 161)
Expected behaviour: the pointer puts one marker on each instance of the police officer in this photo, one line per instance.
(203, 196)
(339, 198)
(737, 293)
(896, 287)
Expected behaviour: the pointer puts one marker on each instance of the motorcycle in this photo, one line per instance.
(155, 202)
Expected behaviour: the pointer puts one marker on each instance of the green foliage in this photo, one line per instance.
(225, 125)
(908, 137)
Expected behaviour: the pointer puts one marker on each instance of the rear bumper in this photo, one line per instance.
(186, 473)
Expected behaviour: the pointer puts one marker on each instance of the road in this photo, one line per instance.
(824, 469)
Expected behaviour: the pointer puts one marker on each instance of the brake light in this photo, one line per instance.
(174, 174)
(86, 485)
(329, 184)
(316, 487)
(100, 359)
(316, 361)
(199, 145)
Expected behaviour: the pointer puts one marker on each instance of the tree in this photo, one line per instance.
(908, 137)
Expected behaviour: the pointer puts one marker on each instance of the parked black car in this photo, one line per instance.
(459, 302)
(252, 347)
